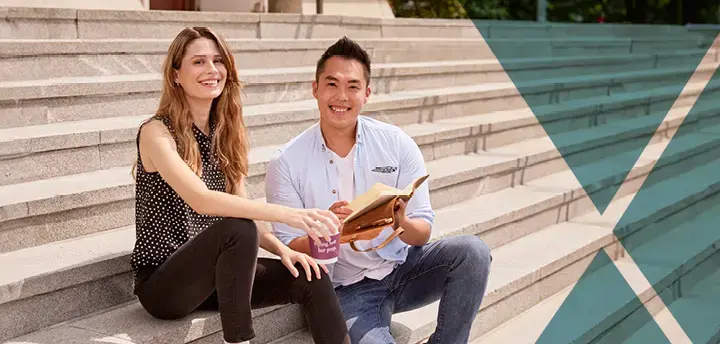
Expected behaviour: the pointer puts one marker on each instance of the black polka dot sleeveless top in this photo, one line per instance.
(163, 221)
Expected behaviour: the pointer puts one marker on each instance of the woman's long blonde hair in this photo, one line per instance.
(229, 142)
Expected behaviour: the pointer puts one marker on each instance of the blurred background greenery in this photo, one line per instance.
(587, 11)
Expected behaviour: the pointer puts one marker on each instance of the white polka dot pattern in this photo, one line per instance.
(163, 221)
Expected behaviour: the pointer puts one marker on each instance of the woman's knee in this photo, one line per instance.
(163, 310)
(168, 314)
(316, 287)
(236, 231)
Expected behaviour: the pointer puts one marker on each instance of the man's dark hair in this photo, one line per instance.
(346, 48)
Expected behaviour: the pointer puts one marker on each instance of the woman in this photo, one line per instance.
(197, 243)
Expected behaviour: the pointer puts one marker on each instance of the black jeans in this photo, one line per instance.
(219, 268)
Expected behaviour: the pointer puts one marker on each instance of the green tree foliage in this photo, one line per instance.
(452, 9)
(615, 11)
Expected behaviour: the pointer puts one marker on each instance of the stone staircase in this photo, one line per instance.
(75, 84)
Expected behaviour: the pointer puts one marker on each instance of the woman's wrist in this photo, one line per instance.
(283, 250)
(286, 215)
(277, 213)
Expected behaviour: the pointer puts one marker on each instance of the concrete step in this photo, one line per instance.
(293, 83)
(526, 327)
(121, 242)
(39, 212)
(262, 86)
(105, 199)
(46, 101)
(44, 210)
(56, 23)
(137, 327)
(507, 215)
(94, 259)
(113, 141)
(486, 201)
(523, 272)
(569, 45)
(101, 144)
(697, 261)
(76, 98)
(107, 143)
(514, 28)
(400, 107)
(696, 295)
(559, 196)
(90, 57)
(622, 66)
(607, 325)
(97, 57)
(70, 275)
(490, 318)
(426, 102)
(528, 286)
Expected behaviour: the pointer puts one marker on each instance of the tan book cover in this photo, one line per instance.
(379, 195)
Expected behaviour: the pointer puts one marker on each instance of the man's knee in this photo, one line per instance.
(474, 253)
(480, 250)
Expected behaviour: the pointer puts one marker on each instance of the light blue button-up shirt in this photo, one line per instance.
(303, 176)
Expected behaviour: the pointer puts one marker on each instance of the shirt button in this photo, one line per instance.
(334, 191)
(331, 161)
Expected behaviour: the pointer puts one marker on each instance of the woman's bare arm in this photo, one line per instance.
(267, 240)
(158, 149)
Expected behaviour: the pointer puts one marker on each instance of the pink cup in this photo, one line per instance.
(326, 252)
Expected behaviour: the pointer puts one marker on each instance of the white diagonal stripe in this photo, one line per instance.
(632, 274)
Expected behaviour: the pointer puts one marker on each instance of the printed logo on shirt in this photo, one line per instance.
(385, 169)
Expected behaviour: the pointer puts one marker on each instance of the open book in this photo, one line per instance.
(375, 210)
(379, 195)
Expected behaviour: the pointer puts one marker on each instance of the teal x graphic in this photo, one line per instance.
(608, 98)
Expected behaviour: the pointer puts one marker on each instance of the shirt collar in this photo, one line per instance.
(358, 134)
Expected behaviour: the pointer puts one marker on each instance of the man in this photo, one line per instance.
(340, 158)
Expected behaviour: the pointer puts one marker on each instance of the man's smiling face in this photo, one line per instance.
(341, 91)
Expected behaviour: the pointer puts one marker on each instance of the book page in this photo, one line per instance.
(378, 195)
(378, 201)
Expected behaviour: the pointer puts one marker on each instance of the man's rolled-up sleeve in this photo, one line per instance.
(279, 189)
(412, 166)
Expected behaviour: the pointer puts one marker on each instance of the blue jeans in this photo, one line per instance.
(453, 270)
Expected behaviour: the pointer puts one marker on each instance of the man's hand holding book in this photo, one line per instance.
(370, 213)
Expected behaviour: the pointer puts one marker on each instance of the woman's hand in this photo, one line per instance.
(315, 222)
(289, 258)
